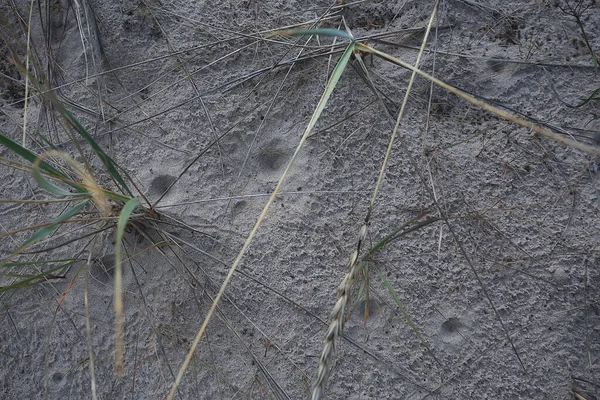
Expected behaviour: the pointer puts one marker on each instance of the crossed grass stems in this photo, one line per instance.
(119, 209)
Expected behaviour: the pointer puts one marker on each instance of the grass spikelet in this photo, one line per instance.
(336, 326)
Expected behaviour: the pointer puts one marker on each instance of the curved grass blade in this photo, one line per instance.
(390, 289)
(52, 188)
(333, 80)
(592, 97)
(106, 160)
(123, 218)
(88, 182)
(31, 157)
(50, 170)
(319, 32)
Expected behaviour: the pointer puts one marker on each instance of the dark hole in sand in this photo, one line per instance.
(271, 159)
(452, 325)
(103, 268)
(160, 184)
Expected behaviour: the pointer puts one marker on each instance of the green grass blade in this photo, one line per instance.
(50, 170)
(31, 280)
(116, 196)
(47, 230)
(592, 97)
(106, 160)
(365, 285)
(361, 288)
(23, 263)
(333, 80)
(123, 218)
(400, 232)
(318, 32)
(52, 188)
(401, 307)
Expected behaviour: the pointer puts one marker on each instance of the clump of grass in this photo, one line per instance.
(84, 189)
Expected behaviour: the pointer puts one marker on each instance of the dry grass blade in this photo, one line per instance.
(501, 113)
(335, 76)
(88, 328)
(27, 75)
(336, 326)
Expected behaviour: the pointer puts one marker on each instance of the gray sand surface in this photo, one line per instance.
(501, 280)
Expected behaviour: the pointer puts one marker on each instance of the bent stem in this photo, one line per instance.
(472, 99)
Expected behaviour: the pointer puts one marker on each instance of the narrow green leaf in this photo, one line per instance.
(30, 280)
(44, 166)
(23, 263)
(123, 218)
(29, 156)
(401, 307)
(106, 160)
(335, 77)
(52, 188)
(365, 283)
(32, 157)
(47, 230)
(592, 97)
(361, 288)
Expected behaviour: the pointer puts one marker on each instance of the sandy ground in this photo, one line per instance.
(504, 291)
